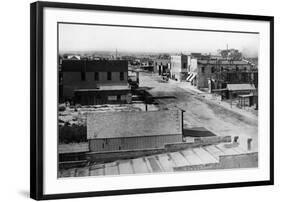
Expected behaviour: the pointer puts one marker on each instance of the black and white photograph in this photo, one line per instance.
(132, 100)
(137, 100)
(141, 101)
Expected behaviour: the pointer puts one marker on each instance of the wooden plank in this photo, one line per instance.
(154, 165)
(148, 165)
(240, 150)
(227, 151)
(214, 151)
(166, 162)
(179, 159)
(125, 167)
(205, 156)
(72, 172)
(62, 173)
(67, 173)
(111, 169)
(97, 172)
(81, 172)
(191, 157)
(139, 166)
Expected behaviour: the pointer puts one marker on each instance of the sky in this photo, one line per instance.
(80, 37)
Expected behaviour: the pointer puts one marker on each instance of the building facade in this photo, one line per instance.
(216, 74)
(86, 76)
(179, 71)
(114, 131)
(161, 66)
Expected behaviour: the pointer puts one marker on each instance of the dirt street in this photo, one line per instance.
(202, 112)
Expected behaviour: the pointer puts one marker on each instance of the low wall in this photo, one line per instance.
(102, 157)
(198, 142)
(72, 164)
(108, 156)
(247, 160)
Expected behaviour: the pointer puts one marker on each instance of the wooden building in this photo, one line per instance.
(80, 78)
(113, 131)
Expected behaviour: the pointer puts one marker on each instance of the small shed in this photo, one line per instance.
(112, 131)
(246, 100)
(239, 89)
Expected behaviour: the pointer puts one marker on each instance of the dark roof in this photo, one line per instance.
(197, 132)
(94, 65)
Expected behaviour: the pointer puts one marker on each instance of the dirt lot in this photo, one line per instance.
(202, 112)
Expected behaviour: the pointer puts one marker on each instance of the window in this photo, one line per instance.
(83, 75)
(213, 69)
(203, 69)
(97, 76)
(108, 75)
(121, 76)
(112, 97)
(221, 68)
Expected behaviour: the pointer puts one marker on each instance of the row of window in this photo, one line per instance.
(213, 69)
(97, 76)
(116, 97)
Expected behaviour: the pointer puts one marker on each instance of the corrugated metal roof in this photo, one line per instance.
(133, 124)
(165, 162)
(238, 87)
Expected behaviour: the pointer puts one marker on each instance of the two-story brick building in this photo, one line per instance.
(220, 72)
(95, 81)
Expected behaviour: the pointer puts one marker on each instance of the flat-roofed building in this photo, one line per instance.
(113, 131)
(179, 70)
(162, 65)
(80, 78)
(221, 72)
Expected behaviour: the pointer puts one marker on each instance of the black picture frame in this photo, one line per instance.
(36, 98)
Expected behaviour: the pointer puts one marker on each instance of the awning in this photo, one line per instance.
(245, 96)
(192, 77)
(219, 90)
(189, 76)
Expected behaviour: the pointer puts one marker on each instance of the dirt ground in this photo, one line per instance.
(202, 112)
